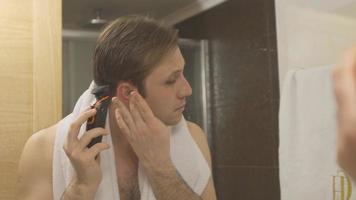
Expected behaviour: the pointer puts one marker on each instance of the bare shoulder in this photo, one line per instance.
(200, 139)
(39, 146)
(35, 166)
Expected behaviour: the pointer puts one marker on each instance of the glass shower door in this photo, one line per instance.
(196, 55)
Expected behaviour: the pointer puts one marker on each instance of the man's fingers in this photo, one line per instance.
(97, 148)
(89, 135)
(137, 117)
(142, 106)
(121, 123)
(345, 87)
(75, 126)
(126, 115)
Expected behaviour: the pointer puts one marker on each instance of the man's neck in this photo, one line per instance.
(122, 147)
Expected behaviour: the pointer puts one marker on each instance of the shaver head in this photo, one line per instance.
(101, 91)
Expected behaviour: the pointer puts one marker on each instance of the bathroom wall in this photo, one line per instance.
(311, 35)
(245, 96)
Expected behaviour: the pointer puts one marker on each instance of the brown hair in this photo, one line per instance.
(129, 48)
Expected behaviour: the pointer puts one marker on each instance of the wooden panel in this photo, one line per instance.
(16, 85)
(29, 36)
(47, 65)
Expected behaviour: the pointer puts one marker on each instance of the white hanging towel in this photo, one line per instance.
(307, 134)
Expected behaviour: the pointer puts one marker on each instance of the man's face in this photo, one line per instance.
(166, 88)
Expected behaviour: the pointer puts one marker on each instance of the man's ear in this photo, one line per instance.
(123, 90)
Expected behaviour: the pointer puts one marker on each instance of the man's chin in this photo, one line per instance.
(173, 121)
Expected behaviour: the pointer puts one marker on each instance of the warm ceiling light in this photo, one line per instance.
(97, 22)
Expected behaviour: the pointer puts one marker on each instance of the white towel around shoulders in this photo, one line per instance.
(186, 156)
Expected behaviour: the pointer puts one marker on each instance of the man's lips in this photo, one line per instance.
(181, 107)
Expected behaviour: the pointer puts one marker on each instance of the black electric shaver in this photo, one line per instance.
(103, 99)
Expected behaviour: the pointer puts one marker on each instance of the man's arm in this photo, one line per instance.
(35, 166)
(168, 184)
(344, 77)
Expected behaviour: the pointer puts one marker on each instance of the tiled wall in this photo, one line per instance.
(245, 96)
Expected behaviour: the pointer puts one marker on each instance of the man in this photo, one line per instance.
(139, 60)
(344, 77)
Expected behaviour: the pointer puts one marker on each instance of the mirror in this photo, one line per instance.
(241, 62)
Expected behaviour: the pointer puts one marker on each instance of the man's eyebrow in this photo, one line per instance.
(176, 72)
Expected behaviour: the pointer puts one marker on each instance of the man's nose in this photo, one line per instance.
(185, 90)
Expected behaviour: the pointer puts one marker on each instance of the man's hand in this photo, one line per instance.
(150, 139)
(84, 160)
(148, 136)
(344, 77)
